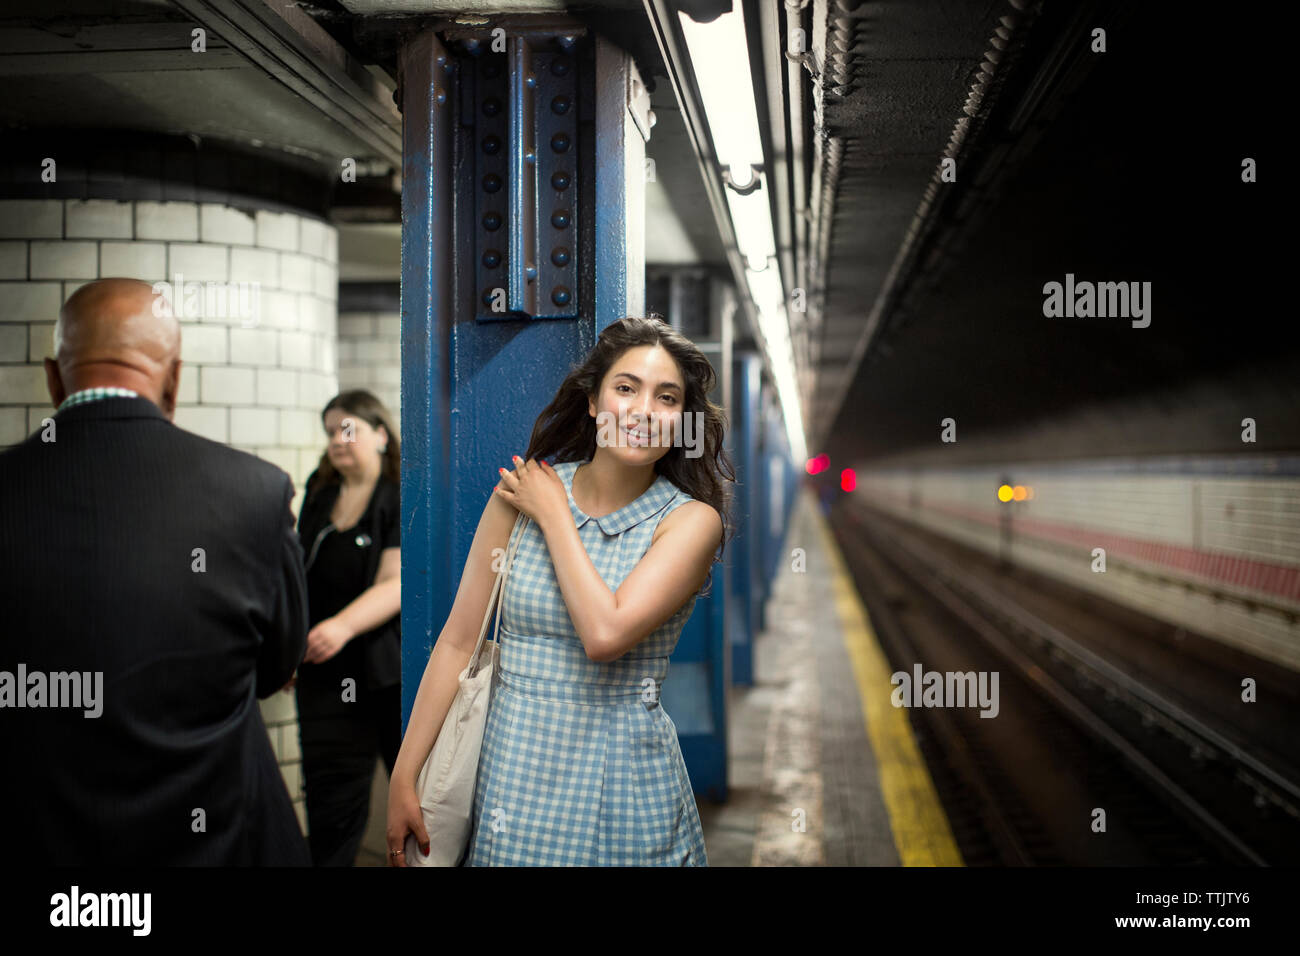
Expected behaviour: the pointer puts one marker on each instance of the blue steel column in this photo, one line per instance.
(776, 463)
(695, 693)
(428, 81)
(769, 507)
(773, 445)
(790, 482)
(620, 188)
(746, 585)
(523, 236)
(760, 500)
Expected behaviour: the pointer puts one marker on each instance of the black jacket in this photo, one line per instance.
(378, 651)
(101, 570)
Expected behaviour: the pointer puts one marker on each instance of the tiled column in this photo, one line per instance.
(256, 383)
(370, 342)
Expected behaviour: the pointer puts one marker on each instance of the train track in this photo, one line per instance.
(1175, 790)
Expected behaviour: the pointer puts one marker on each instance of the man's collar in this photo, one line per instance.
(95, 393)
(116, 407)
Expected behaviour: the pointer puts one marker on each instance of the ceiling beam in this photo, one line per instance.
(292, 48)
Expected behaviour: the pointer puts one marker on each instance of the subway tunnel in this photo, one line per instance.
(993, 300)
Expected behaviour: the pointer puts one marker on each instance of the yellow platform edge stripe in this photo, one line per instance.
(917, 819)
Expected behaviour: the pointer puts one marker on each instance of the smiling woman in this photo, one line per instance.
(580, 764)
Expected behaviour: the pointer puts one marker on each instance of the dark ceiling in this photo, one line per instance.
(129, 65)
(1115, 166)
(1135, 177)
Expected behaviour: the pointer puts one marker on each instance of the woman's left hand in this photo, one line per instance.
(326, 639)
(535, 489)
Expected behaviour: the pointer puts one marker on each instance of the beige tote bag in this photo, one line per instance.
(446, 782)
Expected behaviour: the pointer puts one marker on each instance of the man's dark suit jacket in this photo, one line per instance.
(100, 532)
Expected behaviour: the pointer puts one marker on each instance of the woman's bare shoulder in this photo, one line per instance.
(693, 512)
(497, 511)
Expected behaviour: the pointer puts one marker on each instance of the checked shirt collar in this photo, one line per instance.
(651, 502)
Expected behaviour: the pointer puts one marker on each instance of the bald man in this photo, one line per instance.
(117, 334)
(152, 589)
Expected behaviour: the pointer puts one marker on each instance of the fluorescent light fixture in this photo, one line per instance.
(741, 176)
(765, 287)
(720, 62)
(775, 326)
(752, 219)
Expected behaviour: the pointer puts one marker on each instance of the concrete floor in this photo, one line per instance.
(803, 787)
(374, 849)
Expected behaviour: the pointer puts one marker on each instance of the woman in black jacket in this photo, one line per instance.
(349, 684)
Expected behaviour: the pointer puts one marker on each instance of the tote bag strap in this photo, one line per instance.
(497, 598)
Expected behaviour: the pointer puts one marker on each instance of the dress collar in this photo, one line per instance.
(652, 501)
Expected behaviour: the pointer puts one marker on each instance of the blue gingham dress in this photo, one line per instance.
(580, 765)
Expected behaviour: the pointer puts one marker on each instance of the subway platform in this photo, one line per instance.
(821, 772)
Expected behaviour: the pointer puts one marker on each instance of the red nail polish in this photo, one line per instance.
(424, 850)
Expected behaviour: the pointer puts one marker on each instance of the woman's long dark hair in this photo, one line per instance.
(364, 405)
(565, 431)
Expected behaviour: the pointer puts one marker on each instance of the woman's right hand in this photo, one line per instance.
(404, 816)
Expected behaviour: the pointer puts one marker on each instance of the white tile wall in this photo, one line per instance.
(315, 239)
(188, 394)
(167, 220)
(253, 427)
(300, 427)
(256, 347)
(317, 316)
(370, 356)
(325, 280)
(13, 260)
(22, 385)
(256, 265)
(198, 262)
(296, 273)
(222, 224)
(277, 387)
(226, 385)
(30, 301)
(1256, 518)
(135, 260)
(97, 219)
(202, 345)
(41, 345)
(31, 219)
(296, 349)
(13, 424)
(315, 389)
(206, 420)
(355, 326)
(63, 259)
(277, 230)
(13, 343)
(280, 310)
